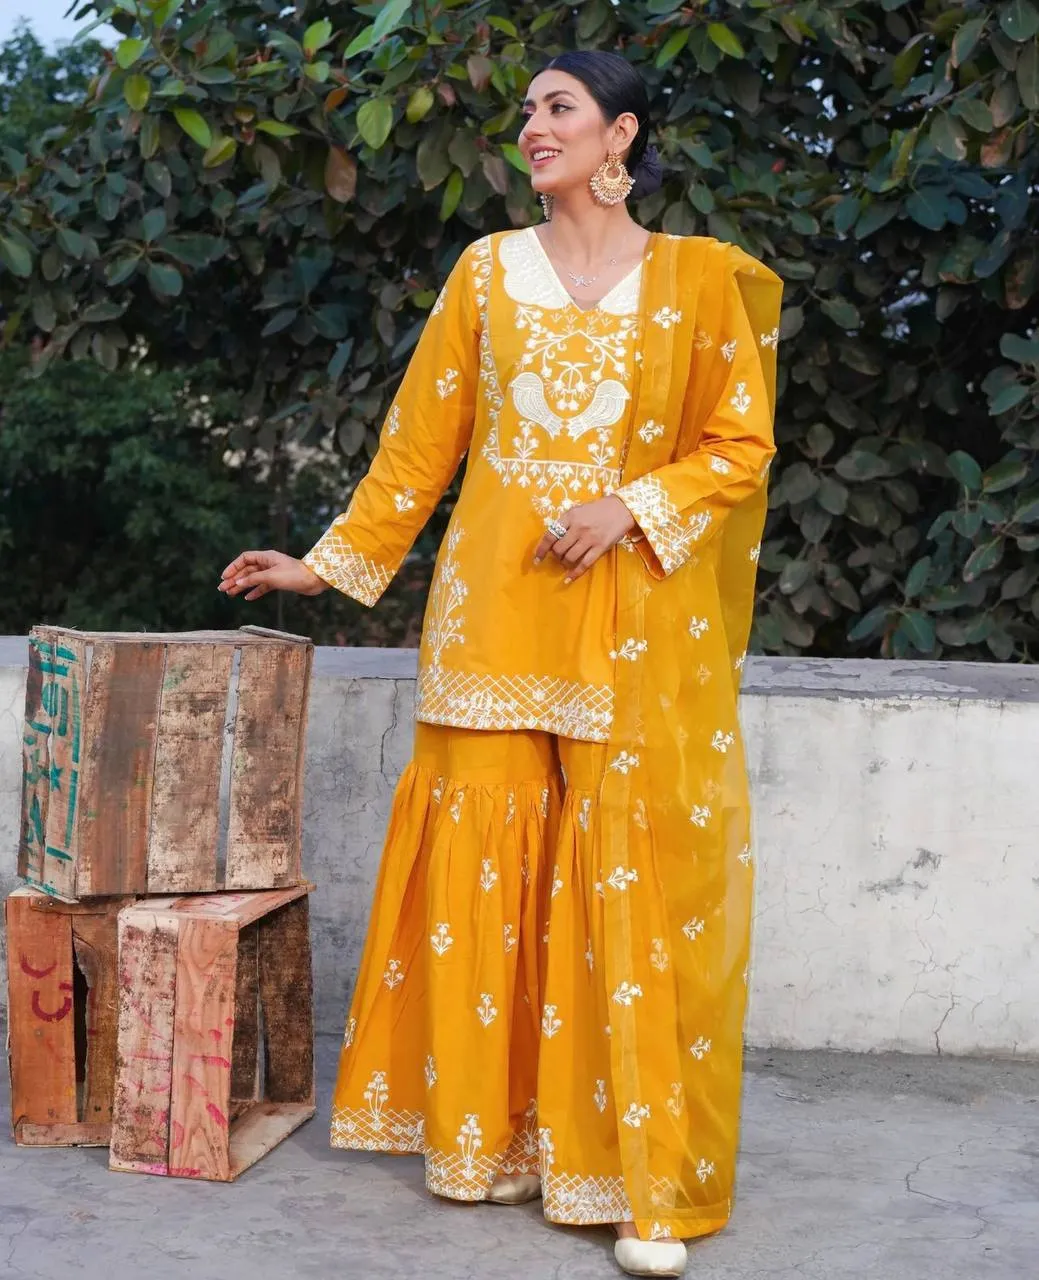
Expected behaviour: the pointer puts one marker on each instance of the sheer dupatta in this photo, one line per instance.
(674, 803)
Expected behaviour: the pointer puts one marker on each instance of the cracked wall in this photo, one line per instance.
(895, 814)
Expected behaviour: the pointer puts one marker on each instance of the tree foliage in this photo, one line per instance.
(282, 191)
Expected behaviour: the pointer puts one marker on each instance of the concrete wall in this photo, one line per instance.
(897, 812)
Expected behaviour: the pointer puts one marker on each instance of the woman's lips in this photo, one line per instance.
(544, 160)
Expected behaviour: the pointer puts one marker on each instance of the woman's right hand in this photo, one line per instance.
(257, 572)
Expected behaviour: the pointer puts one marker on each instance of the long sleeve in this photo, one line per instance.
(728, 420)
(424, 437)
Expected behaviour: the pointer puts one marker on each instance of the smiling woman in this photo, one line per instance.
(565, 890)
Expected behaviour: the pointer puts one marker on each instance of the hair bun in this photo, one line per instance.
(648, 175)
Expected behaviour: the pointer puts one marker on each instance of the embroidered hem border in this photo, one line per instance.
(334, 560)
(468, 700)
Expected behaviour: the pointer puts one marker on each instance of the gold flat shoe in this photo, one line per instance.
(515, 1188)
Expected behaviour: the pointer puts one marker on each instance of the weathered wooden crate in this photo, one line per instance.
(61, 1000)
(163, 763)
(215, 1061)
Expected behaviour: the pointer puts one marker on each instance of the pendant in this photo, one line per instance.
(582, 282)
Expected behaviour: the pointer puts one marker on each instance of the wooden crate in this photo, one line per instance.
(163, 763)
(215, 1061)
(61, 1025)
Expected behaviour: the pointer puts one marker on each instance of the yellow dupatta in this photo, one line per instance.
(674, 803)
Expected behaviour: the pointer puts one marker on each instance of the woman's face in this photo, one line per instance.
(565, 138)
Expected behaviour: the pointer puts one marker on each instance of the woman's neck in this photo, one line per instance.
(586, 233)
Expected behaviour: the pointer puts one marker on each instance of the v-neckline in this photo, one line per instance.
(598, 304)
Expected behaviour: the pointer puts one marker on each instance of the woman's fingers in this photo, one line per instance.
(591, 555)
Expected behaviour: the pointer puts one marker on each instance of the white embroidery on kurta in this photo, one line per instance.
(755, 552)
(635, 1114)
(657, 1232)
(394, 974)
(722, 741)
(676, 1103)
(630, 650)
(393, 420)
(488, 875)
(670, 536)
(700, 815)
(478, 701)
(335, 560)
(441, 941)
(693, 928)
(700, 1048)
(589, 956)
(744, 856)
(438, 306)
(600, 1095)
(438, 790)
(659, 958)
(431, 1072)
(742, 400)
(444, 622)
(650, 431)
(405, 501)
(609, 400)
(486, 1010)
(349, 1033)
(584, 813)
(703, 673)
(456, 805)
(550, 1024)
(720, 465)
(470, 1140)
(627, 993)
(544, 802)
(698, 627)
(638, 815)
(448, 384)
(510, 938)
(771, 339)
(557, 883)
(704, 1169)
(376, 1094)
(703, 340)
(729, 350)
(740, 662)
(510, 811)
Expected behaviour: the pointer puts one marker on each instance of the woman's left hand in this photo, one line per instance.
(591, 530)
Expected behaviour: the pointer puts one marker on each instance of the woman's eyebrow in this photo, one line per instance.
(556, 93)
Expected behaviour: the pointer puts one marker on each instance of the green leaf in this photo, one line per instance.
(193, 250)
(843, 313)
(121, 269)
(128, 51)
(861, 465)
(279, 321)
(452, 195)
(514, 156)
(965, 40)
(986, 557)
(165, 281)
(391, 15)
(153, 224)
(976, 114)
(726, 39)
(276, 129)
(963, 468)
(1007, 399)
(1004, 475)
(137, 90)
(919, 630)
(71, 242)
(1020, 20)
(15, 258)
(419, 104)
(918, 577)
(673, 46)
(1028, 76)
(194, 125)
(870, 625)
(1021, 350)
(361, 43)
(949, 137)
(219, 152)
(905, 64)
(215, 75)
(316, 36)
(927, 207)
(374, 121)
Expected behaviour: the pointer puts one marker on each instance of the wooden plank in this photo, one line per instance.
(121, 719)
(203, 1027)
(185, 806)
(65, 681)
(242, 908)
(263, 846)
(238, 636)
(63, 1135)
(144, 1055)
(286, 997)
(270, 633)
(35, 764)
(261, 1129)
(95, 942)
(245, 1076)
(40, 1023)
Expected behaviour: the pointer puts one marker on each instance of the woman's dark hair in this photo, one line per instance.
(617, 88)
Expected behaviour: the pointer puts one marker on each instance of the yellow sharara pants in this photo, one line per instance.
(485, 946)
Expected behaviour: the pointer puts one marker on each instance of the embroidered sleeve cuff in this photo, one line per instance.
(338, 564)
(669, 535)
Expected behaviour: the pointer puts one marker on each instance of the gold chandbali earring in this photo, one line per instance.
(546, 204)
(611, 183)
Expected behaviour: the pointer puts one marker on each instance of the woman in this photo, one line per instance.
(552, 991)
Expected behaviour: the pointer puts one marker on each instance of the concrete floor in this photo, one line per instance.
(888, 1167)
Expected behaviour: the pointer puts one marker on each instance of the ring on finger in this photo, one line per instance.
(557, 529)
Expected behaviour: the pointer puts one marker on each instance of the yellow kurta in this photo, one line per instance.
(556, 967)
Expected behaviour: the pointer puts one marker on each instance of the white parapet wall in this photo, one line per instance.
(896, 835)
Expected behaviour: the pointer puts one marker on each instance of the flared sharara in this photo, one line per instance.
(555, 973)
